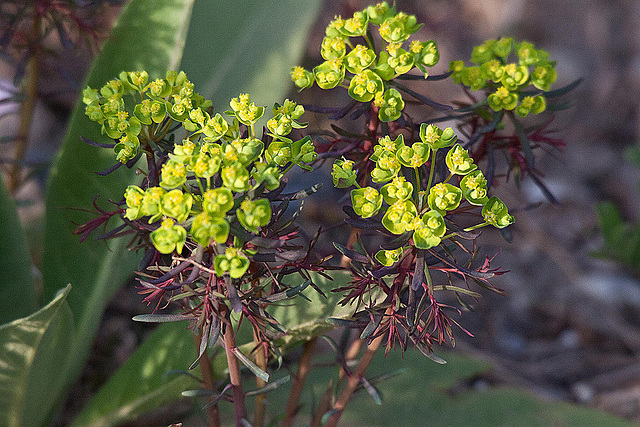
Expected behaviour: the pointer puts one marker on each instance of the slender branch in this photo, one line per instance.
(298, 382)
(208, 383)
(261, 361)
(234, 375)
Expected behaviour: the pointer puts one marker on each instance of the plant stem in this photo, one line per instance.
(432, 169)
(298, 382)
(261, 361)
(208, 383)
(354, 379)
(26, 110)
(234, 375)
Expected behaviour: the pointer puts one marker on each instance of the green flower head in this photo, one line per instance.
(378, 13)
(458, 161)
(359, 58)
(330, 73)
(158, 89)
(278, 152)
(456, 68)
(528, 55)
(435, 137)
(415, 155)
(343, 174)
(543, 76)
(168, 237)
(473, 77)
(205, 166)
(270, 174)
(151, 203)
(425, 55)
(303, 151)
(483, 52)
(217, 202)
(398, 28)
(253, 214)
(365, 86)
(176, 204)
(391, 105)
(387, 167)
(174, 174)
(493, 70)
(127, 148)
(355, 26)
(531, 104)
(246, 111)
(502, 99)
(150, 111)
(134, 196)
(495, 213)
(514, 76)
(400, 217)
(387, 145)
(444, 197)
(235, 177)
(302, 78)
(429, 229)
(333, 47)
(215, 128)
(474, 188)
(366, 201)
(388, 258)
(206, 227)
(397, 190)
(233, 261)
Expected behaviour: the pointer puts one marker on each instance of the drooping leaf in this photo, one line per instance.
(30, 349)
(17, 294)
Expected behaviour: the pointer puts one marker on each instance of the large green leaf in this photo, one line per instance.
(17, 294)
(248, 46)
(149, 35)
(31, 349)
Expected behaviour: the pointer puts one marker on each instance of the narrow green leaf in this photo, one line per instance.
(30, 348)
(269, 387)
(159, 318)
(250, 365)
(17, 293)
(149, 35)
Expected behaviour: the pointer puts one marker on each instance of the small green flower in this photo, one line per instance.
(302, 78)
(398, 28)
(206, 227)
(246, 111)
(400, 217)
(425, 55)
(267, 173)
(179, 109)
(378, 13)
(151, 203)
(94, 112)
(355, 26)
(278, 152)
(158, 89)
(444, 197)
(415, 155)
(217, 202)
(474, 188)
(502, 47)
(150, 111)
(531, 104)
(429, 229)
(343, 174)
(127, 148)
(391, 105)
(493, 70)
(215, 128)
(456, 68)
(528, 55)
(359, 58)
(473, 77)
(366, 201)
(235, 177)
(206, 166)
(399, 59)
(168, 236)
(483, 52)
(176, 204)
(458, 161)
(89, 96)
(495, 213)
(365, 85)
(397, 190)
(437, 138)
(253, 214)
(112, 88)
(387, 167)
(134, 80)
(303, 151)
(244, 150)
(185, 152)
(389, 257)
(174, 174)
(543, 76)
(134, 196)
(502, 99)
(233, 260)
(385, 144)
(330, 73)
(333, 47)
(514, 76)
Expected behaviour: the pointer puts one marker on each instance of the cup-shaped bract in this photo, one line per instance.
(330, 73)
(176, 204)
(415, 155)
(444, 197)
(173, 174)
(206, 227)
(333, 47)
(302, 78)
(458, 161)
(474, 188)
(218, 201)
(359, 59)
(389, 257)
(397, 190)
(387, 167)
(400, 217)
(495, 212)
(233, 261)
(253, 214)
(366, 201)
(437, 138)
(365, 85)
(133, 196)
(429, 230)
(235, 177)
(343, 174)
(502, 99)
(390, 105)
(168, 237)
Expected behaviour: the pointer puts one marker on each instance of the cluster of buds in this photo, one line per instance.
(505, 82)
(365, 72)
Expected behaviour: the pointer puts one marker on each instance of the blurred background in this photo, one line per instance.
(569, 326)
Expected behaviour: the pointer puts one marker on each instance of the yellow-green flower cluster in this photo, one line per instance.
(351, 62)
(505, 81)
(407, 206)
